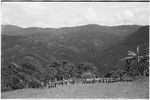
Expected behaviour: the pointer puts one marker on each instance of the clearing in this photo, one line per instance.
(135, 89)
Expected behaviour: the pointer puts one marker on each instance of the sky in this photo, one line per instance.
(68, 14)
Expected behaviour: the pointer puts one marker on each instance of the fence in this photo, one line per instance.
(83, 81)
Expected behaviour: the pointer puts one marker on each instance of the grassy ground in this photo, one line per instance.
(136, 89)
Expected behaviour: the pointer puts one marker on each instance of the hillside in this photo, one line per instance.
(77, 44)
(40, 48)
(112, 55)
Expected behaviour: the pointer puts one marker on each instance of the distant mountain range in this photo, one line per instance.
(101, 45)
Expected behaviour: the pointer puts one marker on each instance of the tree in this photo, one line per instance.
(86, 67)
(135, 62)
(133, 55)
(64, 69)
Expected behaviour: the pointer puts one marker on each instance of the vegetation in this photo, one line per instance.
(135, 64)
(28, 76)
(31, 61)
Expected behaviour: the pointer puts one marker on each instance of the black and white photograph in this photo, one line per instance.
(74, 50)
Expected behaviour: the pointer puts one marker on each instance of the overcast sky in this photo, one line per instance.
(66, 14)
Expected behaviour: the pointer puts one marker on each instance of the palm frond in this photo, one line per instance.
(125, 58)
(137, 49)
(131, 53)
(141, 57)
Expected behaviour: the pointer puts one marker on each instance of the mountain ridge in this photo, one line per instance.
(68, 29)
(87, 43)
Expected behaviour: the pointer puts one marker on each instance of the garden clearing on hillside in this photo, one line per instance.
(135, 89)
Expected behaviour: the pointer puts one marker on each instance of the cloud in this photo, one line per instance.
(91, 15)
(128, 14)
(73, 14)
(6, 20)
(125, 16)
(34, 9)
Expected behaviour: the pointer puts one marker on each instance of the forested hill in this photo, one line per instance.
(112, 55)
(31, 52)
(92, 43)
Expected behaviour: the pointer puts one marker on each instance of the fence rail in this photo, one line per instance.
(83, 81)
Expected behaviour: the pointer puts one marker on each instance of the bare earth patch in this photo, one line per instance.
(136, 89)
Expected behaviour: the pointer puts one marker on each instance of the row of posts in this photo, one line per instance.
(84, 81)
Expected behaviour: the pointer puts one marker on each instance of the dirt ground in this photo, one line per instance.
(124, 90)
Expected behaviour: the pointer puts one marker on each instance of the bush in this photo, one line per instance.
(34, 84)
